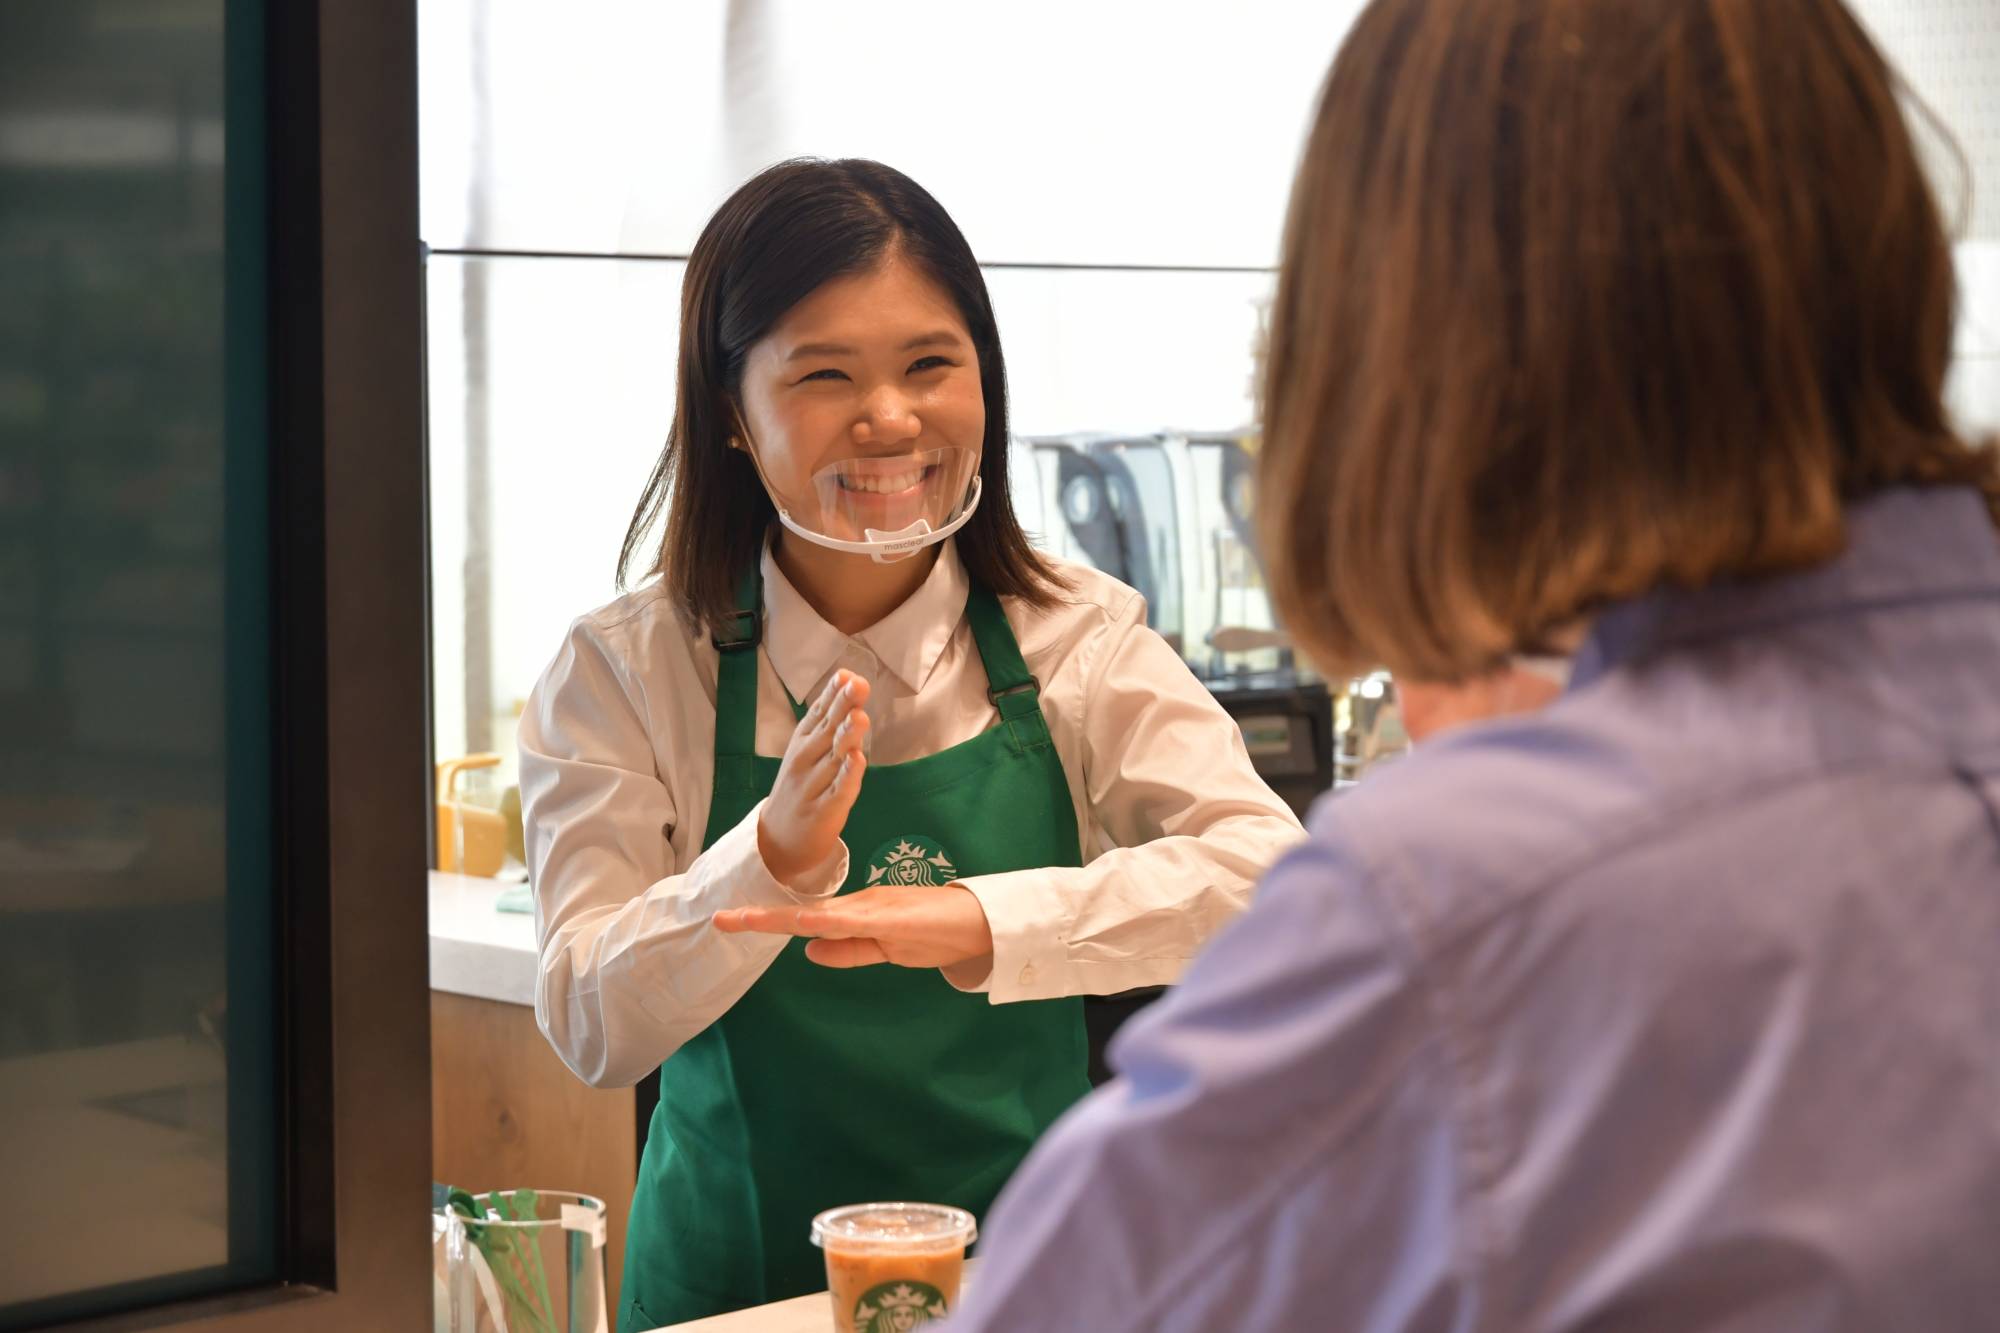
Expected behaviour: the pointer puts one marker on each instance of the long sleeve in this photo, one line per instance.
(1191, 828)
(1276, 1152)
(630, 967)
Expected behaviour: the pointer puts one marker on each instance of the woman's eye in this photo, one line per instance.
(930, 363)
(827, 374)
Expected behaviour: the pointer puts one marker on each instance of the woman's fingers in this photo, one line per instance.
(818, 707)
(844, 784)
(848, 736)
(848, 692)
(859, 929)
(820, 781)
(834, 921)
(733, 920)
(814, 756)
(846, 953)
(757, 920)
(814, 734)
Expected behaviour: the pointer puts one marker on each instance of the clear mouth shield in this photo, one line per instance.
(887, 508)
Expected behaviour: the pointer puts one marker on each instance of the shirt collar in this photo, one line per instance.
(1904, 545)
(908, 641)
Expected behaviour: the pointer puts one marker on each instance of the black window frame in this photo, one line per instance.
(350, 772)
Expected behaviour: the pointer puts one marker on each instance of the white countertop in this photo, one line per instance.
(476, 949)
(801, 1314)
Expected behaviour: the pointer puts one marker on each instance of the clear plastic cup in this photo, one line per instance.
(893, 1266)
(531, 1260)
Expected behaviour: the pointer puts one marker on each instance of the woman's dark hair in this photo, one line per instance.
(1583, 297)
(786, 232)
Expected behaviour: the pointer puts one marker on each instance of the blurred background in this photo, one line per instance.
(1120, 169)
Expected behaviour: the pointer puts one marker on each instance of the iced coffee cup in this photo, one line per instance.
(893, 1266)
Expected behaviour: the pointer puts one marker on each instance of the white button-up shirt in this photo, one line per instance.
(617, 746)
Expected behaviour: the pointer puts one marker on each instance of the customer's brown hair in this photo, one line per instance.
(1582, 297)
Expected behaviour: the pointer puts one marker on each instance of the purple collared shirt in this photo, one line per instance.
(1673, 1007)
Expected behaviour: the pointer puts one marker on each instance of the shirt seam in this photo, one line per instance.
(644, 606)
(1430, 941)
(1093, 670)
(1639, 831)
(1473, 1137)
(1068, 592)
(617, 658)
(1281, 1179)
(619, 655)
(1671, 635)
(1090, 671)
(1468, 1216)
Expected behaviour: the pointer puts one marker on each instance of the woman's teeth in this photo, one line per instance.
(901, 481)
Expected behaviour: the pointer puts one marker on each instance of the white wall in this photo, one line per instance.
(1108, 131)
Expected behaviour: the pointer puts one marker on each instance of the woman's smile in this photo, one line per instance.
(906, 482)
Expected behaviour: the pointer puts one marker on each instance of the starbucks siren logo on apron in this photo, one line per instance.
(915, 860)
(897, 1307)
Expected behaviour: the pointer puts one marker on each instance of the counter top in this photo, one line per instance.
(476, 949)
(801, 1314)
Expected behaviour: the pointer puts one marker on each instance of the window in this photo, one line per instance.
(1123, 178)
(211, 657)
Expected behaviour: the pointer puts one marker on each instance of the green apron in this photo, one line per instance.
(823, 1087)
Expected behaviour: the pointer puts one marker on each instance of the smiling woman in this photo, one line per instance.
(831, 311)
(1041, 801)
(867, 435)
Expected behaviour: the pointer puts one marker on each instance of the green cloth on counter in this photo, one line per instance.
(520, 898)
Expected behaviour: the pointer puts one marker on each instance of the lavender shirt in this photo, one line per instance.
(1675, 1007)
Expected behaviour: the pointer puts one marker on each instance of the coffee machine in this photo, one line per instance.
(1233, 642)
(1170, 515)
(1108, 501)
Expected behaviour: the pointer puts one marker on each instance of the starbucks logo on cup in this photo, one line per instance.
(912, 860)
(897, 1307)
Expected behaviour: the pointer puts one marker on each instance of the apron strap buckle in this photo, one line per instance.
(739, 629)
(1031, 683)
(1018, 701)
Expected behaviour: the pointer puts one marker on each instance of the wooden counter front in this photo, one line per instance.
(506, 1113)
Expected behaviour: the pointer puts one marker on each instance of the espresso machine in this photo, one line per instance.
(1108, 501)
(1233, 642)
(1170, 515)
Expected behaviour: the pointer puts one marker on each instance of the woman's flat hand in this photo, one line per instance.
(910, 925)
(817, 782)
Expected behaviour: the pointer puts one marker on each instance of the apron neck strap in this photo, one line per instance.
(1015, 693)
(736, 643)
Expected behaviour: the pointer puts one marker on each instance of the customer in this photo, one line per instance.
(1675, 1006)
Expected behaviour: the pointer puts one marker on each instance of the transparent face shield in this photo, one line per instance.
(888, 507)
